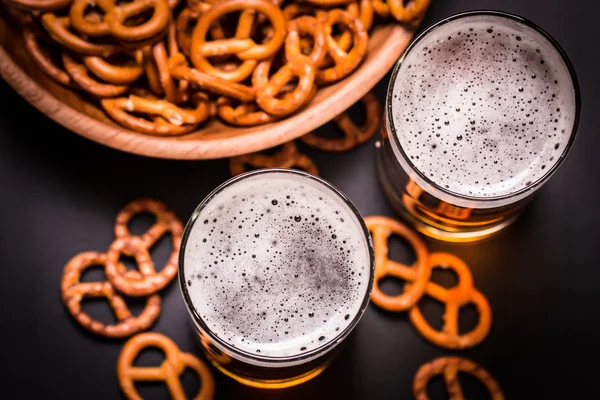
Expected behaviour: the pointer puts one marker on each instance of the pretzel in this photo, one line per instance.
(46, 65)
(243, 31)
(149, 282)
(450, 367)
(168, 372)
(245, 114)
(329, 3)
(40, 5)
(362, 10)
(266, 94)
(309, 25)
(381, 229)
(186, 18)
(213, 83)
(74, 291)
(249, 8)
(353, 135)
(287, 157)
(58, 28)
(115, 74)
(166, 221)
(80, 75)
(116, 17)
(294, 10)
(151, 71)
(87, 26)
(161, 60)
(170, 119)
(412, 11)
(345, 62)
(453, 299)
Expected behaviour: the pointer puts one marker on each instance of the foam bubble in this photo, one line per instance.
(484, 106)
(277, 265)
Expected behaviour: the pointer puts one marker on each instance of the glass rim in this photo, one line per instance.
(517, 195)
(305, 356)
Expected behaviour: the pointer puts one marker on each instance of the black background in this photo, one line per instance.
(60, 194)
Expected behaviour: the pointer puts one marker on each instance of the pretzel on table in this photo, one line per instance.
(449, 367)
(381, 229)
(462, 294)
(353, 135)
(74, 291)
(168, 372)
(287, 157)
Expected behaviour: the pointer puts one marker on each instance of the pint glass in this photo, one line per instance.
(276, 269)
(481, 110)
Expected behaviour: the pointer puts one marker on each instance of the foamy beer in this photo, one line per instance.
(276, 269)
(481, 110)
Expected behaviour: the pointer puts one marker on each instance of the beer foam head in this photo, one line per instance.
(483, 106)
(277, 264)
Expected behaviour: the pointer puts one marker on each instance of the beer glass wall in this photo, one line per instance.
(276, 269)
(481, 110)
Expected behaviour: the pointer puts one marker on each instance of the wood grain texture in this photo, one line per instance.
(83, 116)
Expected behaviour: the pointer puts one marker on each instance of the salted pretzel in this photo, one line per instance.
(74, 291)
(116, 17)
(115, 74)
(245, 114)
(453, 299)
(80, 75)
(119, 109)
(58, 28)
(381, 229)
(168, 372)
(40, 5)
(353, 135)
(212, 83)
(266, 93)
(345, 62)
(45, 63)
(287, 157)
(449, 367)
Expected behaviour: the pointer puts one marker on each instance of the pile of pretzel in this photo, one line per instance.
(144, 282)
(163, 68)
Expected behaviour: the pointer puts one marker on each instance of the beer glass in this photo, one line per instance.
(481, 110)
(276, 269)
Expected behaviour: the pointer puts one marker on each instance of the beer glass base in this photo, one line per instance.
(461, 236)
(272, 383)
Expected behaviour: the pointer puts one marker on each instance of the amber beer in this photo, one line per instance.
(276, 269)
(481, 110)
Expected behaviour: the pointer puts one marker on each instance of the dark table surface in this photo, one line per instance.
(60, 194)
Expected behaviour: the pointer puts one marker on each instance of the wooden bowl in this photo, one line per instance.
(83, 115)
